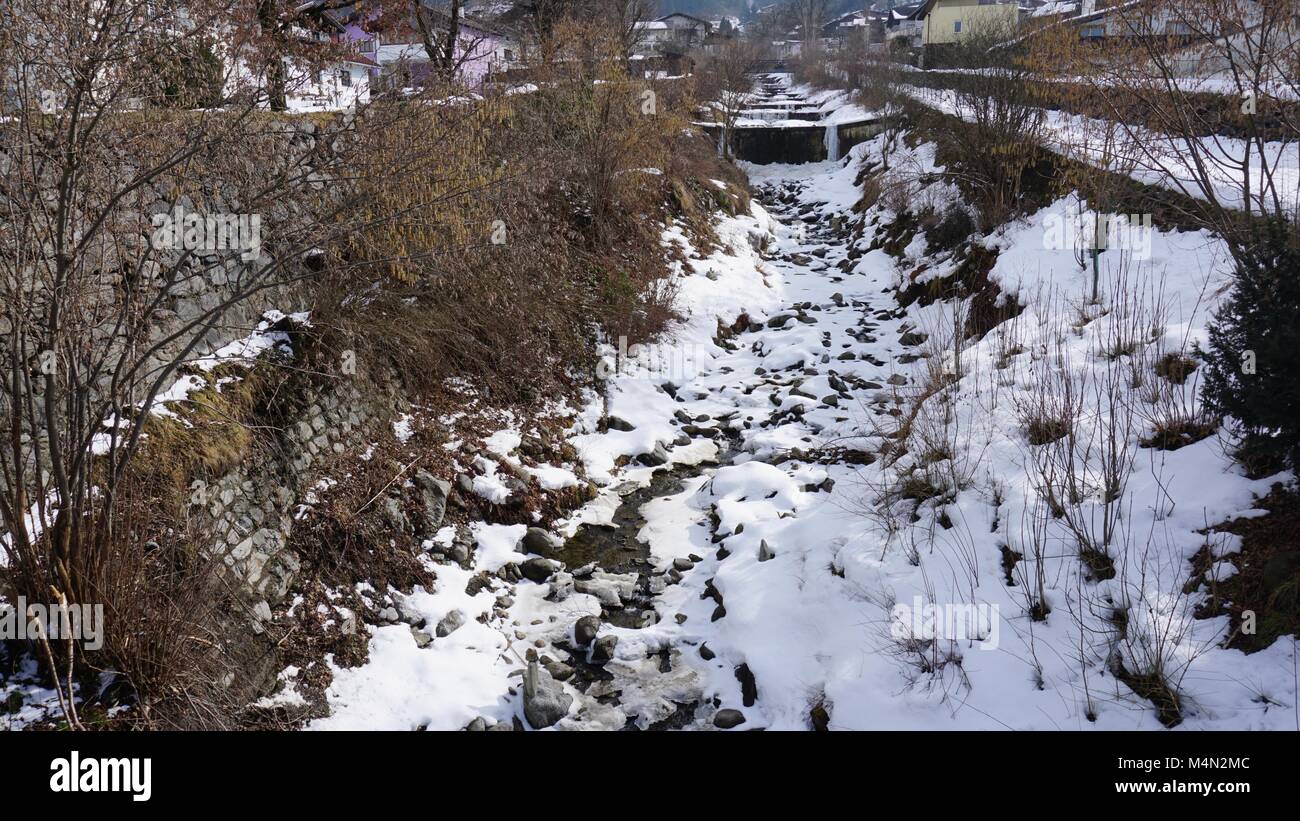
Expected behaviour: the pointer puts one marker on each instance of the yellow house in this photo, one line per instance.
(946, 21)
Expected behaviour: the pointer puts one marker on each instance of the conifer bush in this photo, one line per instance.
(1252, 369)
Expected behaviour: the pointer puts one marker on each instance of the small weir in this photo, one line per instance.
(782, 126)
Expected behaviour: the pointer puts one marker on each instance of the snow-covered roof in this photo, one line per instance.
(1054, 7)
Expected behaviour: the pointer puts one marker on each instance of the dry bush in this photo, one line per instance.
(560, 240)
(999, 141)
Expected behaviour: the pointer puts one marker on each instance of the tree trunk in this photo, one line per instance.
(268, 19)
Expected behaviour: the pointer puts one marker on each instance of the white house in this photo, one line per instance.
(687, 30)
(650, 35)
(339, 87)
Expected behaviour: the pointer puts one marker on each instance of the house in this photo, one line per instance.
(845, 23)
(1097, 21)
(902, 26)
(1242, 49)
(483, 49)
(1134, 18)
(341, 86)
(345, 82)
(944, 22)
(651, 37)
(687, 31)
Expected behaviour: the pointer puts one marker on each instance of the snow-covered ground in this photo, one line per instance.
(1241, 171)
(794, 583)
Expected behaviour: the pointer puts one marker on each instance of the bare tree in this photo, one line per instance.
(727, 79)
(1165, 58)
(811, 15)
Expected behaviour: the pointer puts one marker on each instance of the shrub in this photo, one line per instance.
(1252, 373)
(951, 230)
(185, 73)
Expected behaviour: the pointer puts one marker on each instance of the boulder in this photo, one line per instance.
(538, 570)
(727, 718)
(450, 623)
(585, 630)
(536, 540)
(545, 701)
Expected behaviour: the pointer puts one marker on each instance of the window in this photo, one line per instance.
(956, 27)
(345, 77)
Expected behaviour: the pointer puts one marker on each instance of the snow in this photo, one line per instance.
(403, 428)
(819, 577)
(1165, 160)
(442, 686)
(496, 545)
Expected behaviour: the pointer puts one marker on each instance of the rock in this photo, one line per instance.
(897, 379)
(682, 564)
(545, 701)
(450, 623)
(462, 547)
(465, 484)
(618, 423)
(655, 458)
(433, 501)
(603, 649)
(536, 540)
(728, 718)
(478, 725)
(422, 639)
(585, 630)
(509, 572)
(748, 686)
(538, 570)
(711, 592)
(562, 586)
(390, 512)
(558, 670)
(820, 718)
(912, 339)
(718, 613)
(764, 551)
(706, 653)
(478, 583)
